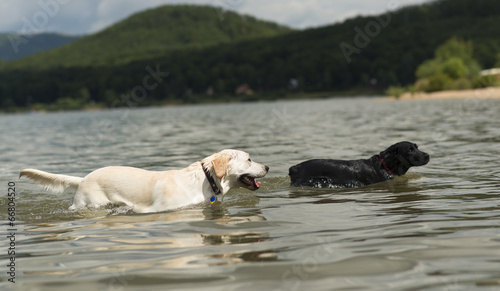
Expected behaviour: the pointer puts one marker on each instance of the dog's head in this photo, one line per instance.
(236, 169)
(401, 156)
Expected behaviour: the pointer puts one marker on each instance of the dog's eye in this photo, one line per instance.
(249, 159)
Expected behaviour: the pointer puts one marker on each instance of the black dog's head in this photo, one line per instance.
(402, 156)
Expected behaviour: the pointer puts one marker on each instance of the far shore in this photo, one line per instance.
(486, 93)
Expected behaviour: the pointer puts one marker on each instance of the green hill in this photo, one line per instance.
(153, 33)
(370, 53)
(13, 46)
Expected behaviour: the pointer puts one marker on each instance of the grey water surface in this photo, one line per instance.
(436, 228)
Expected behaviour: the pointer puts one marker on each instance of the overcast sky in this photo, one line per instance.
(88, 16)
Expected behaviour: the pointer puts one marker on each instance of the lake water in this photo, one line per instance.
(436, 228)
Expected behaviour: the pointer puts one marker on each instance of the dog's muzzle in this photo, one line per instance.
(251, 182)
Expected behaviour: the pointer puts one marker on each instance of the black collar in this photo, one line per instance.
(210, 180)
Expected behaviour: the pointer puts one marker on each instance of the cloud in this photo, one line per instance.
(27, 16)
(293, 12)
(311, 13)
(12, 14)
(112, 11)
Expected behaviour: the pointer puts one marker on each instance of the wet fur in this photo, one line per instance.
(153, 191)
(327, 173)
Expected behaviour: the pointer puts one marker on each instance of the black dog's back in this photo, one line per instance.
(327, 173)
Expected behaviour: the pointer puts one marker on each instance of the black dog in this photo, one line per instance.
(394, 161)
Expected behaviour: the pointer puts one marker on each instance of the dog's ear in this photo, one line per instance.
(395, 149)
(390, 152)
(220, 165)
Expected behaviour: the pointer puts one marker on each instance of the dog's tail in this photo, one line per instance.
(52, 182)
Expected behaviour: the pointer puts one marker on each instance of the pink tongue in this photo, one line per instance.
(257, 183)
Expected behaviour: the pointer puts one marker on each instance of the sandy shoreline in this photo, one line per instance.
(489, 93)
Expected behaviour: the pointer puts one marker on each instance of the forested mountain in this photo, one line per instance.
(14, 46)
(363, 52)
(154, 33)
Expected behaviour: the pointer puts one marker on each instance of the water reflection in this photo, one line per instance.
(163, 240)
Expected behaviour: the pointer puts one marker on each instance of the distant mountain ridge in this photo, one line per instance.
(151, 33)
(15, 46)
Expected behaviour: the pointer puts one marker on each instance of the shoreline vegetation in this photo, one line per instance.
(480, 93)
(67, 104)
(452, 73)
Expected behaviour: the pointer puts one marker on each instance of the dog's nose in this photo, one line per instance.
(267, 168)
